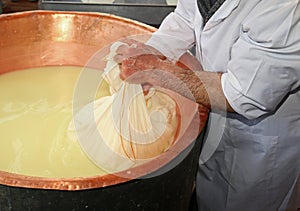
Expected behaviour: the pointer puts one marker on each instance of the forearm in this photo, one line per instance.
(204, 87)
(208, 91)
(188, 79)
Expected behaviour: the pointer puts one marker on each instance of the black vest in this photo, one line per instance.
(208, 7)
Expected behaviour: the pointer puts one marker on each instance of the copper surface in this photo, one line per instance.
(43, 38)
(47, 38)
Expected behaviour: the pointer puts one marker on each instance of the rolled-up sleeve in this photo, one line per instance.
(176, 33)
(265, 60)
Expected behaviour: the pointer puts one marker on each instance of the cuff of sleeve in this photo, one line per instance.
(239, 102)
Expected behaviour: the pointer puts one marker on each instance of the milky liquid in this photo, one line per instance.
(35, 111)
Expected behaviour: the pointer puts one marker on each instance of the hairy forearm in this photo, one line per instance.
(207, 90)
(204, 87)
(185, 78)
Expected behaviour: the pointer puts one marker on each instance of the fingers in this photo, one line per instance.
(129, 41)
(134, 57)
(146, 87)
(125, 52)
(128, 68)
(138, 77)
(135, 48)
(119, 58)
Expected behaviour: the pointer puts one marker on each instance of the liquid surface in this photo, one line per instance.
(35, 110)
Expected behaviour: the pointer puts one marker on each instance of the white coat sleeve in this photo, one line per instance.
(176, 33)
(265, 60)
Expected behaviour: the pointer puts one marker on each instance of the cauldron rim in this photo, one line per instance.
(23, 14)
(81, 183)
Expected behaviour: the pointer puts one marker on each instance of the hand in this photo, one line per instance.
(139, 65)
(135, 48)
(135, 58)
(144, 65)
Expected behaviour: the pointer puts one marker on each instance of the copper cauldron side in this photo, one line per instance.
(44, 38)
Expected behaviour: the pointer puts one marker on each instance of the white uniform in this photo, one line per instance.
(250, 160)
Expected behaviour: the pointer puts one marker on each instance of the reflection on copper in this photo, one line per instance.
(43, 38)
(47, 38)
(64, 29)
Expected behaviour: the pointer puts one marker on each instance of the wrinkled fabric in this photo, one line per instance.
(250, 159)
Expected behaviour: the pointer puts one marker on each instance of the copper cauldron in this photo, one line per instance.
(47, 38)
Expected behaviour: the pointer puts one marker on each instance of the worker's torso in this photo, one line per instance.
(246, 151)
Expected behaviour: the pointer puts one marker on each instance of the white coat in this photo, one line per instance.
(250, 160)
